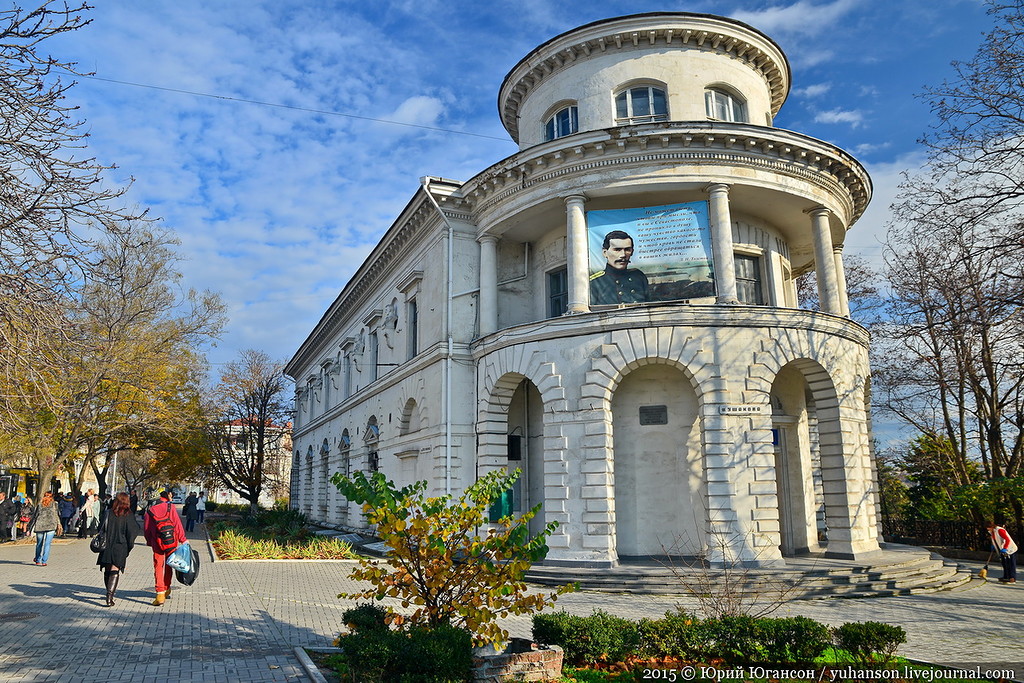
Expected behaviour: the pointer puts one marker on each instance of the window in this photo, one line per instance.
(374, 351)
(565, 122)
(558, 293)
(641, 104)
(724, 106)
(748, 279)
(413, 327)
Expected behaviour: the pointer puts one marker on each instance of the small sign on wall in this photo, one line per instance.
(653, 415)
(742, 409)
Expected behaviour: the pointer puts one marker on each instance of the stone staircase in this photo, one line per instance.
(896, 570)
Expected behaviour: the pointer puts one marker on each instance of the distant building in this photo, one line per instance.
(697, 408)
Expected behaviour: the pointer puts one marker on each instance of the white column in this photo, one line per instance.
(577, 254)
(721, 243)
(488, 284)
(825, 262)
(844, 298)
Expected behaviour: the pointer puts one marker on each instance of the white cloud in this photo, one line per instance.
(853, 117)
(816, 90)
(802, 18)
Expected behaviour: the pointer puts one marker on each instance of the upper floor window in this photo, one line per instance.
(641, 104)
(564, 122)
(748, 279)
(558, 293)
(724, 106)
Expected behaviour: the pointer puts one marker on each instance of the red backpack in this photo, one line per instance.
(164, 530)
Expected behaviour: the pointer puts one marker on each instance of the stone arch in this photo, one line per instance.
(835, 373)
(410, 420)
(626, 351)
(503, 372)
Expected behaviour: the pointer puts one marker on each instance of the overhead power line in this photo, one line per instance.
(292, 107)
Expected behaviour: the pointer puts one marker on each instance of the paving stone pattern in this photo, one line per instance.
(241, 620)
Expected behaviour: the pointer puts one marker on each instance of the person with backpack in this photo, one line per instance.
(164, 532)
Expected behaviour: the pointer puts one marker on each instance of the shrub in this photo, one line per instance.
(365, 617)
(796, 640)
(237, 543)
(417, 655)
(737, 640)
(211, 506)
(677, 634)
(601, 637)
(749, 640)
(446, 558)
(870, 641)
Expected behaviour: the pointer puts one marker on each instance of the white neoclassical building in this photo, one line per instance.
(680, 400)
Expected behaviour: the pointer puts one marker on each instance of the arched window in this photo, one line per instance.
(641, 104)
(565, 121)
(724, 106)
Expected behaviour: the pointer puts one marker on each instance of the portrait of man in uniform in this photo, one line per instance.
(618, 283)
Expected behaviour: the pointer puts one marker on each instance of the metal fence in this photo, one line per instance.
(948, 534)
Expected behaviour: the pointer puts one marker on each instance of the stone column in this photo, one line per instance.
(844, 299)
(577, 254)
(488, 284)
(721, 243)
(825, 262)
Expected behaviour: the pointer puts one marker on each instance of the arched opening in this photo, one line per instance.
(526, 450)
(797, 463)
(660, 503)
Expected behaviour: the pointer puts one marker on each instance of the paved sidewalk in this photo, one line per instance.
(241, 620)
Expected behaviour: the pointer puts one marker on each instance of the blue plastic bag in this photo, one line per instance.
(181, 558)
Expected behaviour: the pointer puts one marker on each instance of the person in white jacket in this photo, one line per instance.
(1007, 549)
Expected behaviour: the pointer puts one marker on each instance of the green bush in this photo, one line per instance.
(796, 640)
(737, 640)
(601, 637)
(212, 506)
(367, 616)
(677, 634)
(419, 655)
(870, 641)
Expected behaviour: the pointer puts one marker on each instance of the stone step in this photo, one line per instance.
(925, 572)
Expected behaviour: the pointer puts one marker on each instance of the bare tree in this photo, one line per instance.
(54, 205)
(251, 426)
(951, 363)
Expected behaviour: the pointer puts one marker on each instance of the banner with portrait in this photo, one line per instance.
(650, 253)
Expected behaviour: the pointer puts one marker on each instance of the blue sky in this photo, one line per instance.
(277, 206)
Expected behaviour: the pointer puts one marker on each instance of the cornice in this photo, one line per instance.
(409, 226)
(703, 317)
(731, 146)
(681, 30)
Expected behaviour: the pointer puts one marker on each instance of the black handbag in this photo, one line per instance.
(99, 542)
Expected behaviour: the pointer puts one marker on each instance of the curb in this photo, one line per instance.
(307, 664)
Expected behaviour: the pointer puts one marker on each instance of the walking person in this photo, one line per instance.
(191, 512)
(8, 511)
(201, 507)
(164, 533)
(25, 516)
(46, 523)
(1007, 549)
(120, 529)
(66, 507)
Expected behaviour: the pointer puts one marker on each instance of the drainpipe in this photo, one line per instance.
(450, 350)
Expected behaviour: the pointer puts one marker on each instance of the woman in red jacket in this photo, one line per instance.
(164, 533)
(1007, 549)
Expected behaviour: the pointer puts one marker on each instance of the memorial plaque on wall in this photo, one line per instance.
(653, 415)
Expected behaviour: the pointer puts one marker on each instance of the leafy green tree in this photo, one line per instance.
(446, 560)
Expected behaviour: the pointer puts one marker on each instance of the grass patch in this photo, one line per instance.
(274, 535)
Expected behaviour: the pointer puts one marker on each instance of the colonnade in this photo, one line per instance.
(828, 260)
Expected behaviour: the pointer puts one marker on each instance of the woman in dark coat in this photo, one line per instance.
(121, 530)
